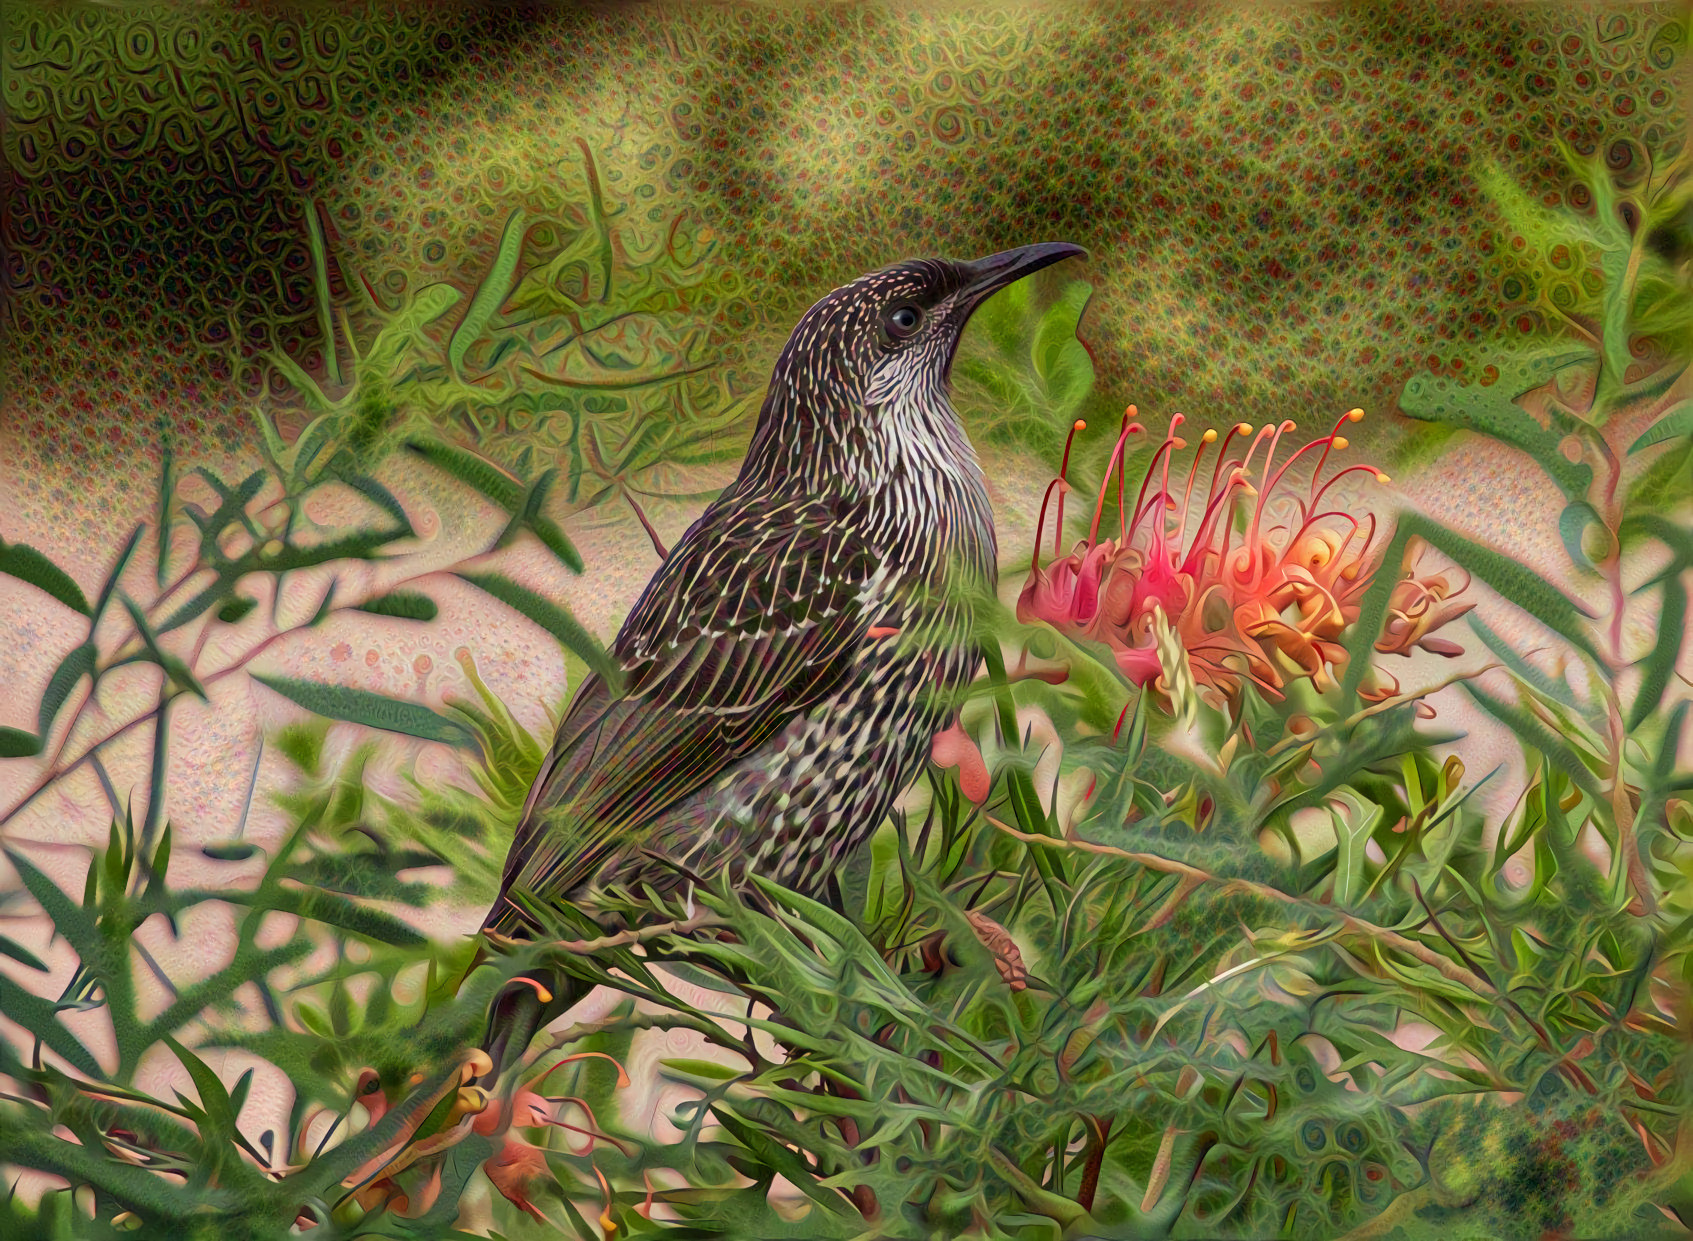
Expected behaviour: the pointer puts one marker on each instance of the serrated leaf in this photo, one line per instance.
(361, 706)
(173, 666)
(1531, 732)
(23, 562)
(337, 910)
(378, 495)
(475, 472)
(118, 566)
(41, 1019)
(1514, 581)
(1492, 410)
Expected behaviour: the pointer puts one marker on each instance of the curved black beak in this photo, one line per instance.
(993, 273)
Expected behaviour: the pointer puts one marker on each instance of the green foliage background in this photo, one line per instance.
(1276, 199)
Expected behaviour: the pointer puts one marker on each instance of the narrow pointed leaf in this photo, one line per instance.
(17, 743)
(360, 706)
(23, 562)
(1660, 664)
(554, 619)
(490, 294)
(1674, 422)
(402, 605)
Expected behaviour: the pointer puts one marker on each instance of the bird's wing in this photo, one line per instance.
(751, 621)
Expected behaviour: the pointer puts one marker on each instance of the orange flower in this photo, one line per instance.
(1418, 607)
(1272, 607)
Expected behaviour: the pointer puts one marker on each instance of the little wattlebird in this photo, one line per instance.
(786, 667)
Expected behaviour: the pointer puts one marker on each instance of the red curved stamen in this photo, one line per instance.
(1116, 462)
(1351, 415)
(1253, 539)
(1340, 474)
(1151, 468)
(1187, 495)
(1064, 475)
(1040, 526)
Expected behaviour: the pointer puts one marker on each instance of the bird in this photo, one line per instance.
(785, 668)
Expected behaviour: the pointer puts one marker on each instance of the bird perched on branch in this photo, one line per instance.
(786, 667)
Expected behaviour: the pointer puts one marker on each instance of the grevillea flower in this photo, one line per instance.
(1260, 607)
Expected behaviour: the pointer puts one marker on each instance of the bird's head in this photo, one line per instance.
(872, 359)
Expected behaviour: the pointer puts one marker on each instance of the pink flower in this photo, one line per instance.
(1264, 607)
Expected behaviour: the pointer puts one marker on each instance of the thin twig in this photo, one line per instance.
(641, 516)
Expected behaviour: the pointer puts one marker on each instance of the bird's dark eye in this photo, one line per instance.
(902, 320)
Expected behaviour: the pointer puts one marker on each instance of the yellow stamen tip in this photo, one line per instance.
(1243, 428)
(1382, 478)
(1354, 415)
(1081, 425)
(1210, 437)
(1341, 442)
(1134, 411)
(1289, 425)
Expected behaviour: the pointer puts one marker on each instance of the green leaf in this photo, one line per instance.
(473, 471)
(1660, 664)
(1351, 837)
(1675, 421)
(496, 286)
(167, 489)
(1492, 410)
(1060, 359)
(360, 706)
(28, 565)
(1540, 682)
(320, 282)
(1573, 523)
(118, 567)
(40, 1018)
(11, 948)
(402, 604)
(1665, 483)
(214, 1097)
(378, 495)
(174, 668)
(333, 909)
(1514, 581)
(1531, 732)
(554, 619)
(422, 308)
(235, 607)
(231, 851)
(703, 1068)
(16, 743)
